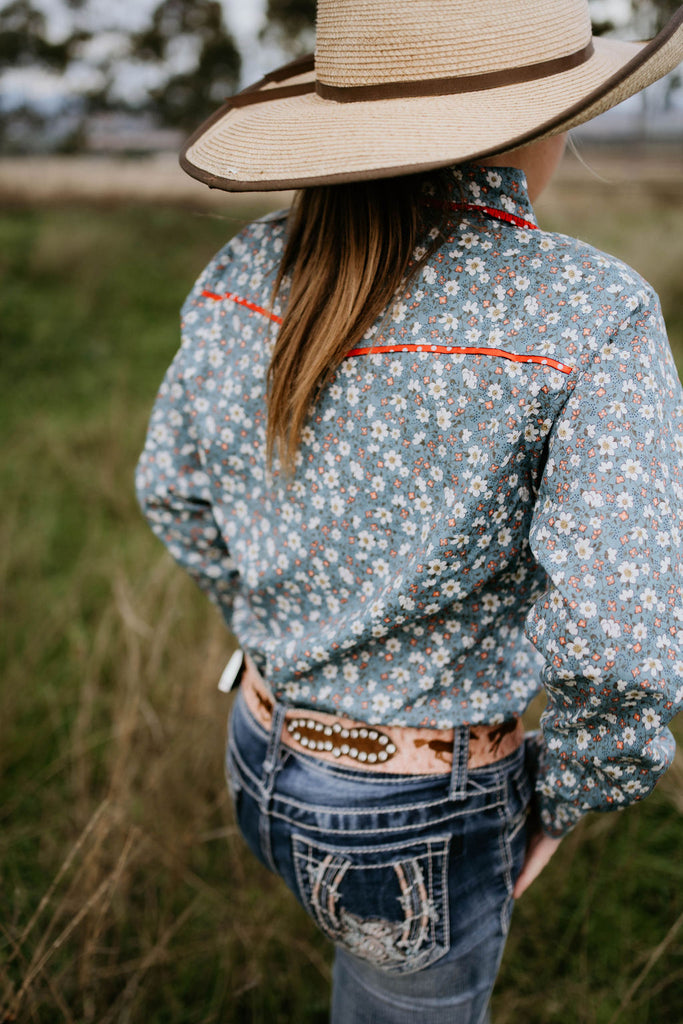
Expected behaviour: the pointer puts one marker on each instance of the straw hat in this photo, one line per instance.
(409, 85)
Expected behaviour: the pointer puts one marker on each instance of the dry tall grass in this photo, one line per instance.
(149, 877)
(126, 894)
(144, 903)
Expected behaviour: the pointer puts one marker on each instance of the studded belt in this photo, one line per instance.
(397, 749)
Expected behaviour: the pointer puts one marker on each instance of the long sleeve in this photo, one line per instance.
(171, 481)
(481, 470)
(607, 530)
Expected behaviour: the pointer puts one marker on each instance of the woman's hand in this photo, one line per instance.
(539, 851)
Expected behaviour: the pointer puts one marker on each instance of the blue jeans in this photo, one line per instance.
(410, 876)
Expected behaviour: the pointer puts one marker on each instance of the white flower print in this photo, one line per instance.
(381, 704)
(584, 549)
(496, 311)
(628, 572)
(631, 469)
(438, 388)
(582, 739)
(444, 504)
(449, 321)
(478, 486)
(623, 500)
(593, 499)
(565, 523)
(650, 719)
(475, 265)
(572, 274)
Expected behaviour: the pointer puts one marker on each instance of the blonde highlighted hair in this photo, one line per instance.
(350, 248)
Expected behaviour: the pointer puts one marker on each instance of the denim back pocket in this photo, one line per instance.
(385, 904)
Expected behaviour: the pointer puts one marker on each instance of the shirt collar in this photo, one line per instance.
(493, 188)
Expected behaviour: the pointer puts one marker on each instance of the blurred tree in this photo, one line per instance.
(195, 58)
(290, 22)
(654, 14)
(23, 42)
(602, 26)
(291, 25)
(649, 17)
(188, 97)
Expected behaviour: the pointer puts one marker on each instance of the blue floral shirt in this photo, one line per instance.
(488, 496)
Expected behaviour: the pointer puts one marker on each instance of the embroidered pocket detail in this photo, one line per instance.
(386, 905)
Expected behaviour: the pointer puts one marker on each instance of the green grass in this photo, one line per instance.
(125, 892)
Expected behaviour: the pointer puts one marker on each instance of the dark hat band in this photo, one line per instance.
(409, 89)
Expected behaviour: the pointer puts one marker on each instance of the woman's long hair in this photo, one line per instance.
(349, 250)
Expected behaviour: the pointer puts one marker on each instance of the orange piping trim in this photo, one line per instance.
(490, 211)
(460, 350)
(243, 302)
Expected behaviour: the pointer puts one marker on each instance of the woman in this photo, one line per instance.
(424, 456)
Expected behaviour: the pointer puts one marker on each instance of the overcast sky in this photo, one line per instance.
(246, 14)
(244, 18)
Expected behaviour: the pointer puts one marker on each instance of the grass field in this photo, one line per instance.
(125, 893)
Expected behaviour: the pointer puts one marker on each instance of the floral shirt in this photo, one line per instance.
(487, 499)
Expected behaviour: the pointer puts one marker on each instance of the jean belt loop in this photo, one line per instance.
(271, 762)
(271, 766)
(461, 750)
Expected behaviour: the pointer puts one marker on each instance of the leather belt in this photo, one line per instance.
(381, 748)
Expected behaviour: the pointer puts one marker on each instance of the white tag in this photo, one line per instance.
(231, 672)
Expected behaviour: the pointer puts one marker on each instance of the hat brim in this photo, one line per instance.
(304, 140)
